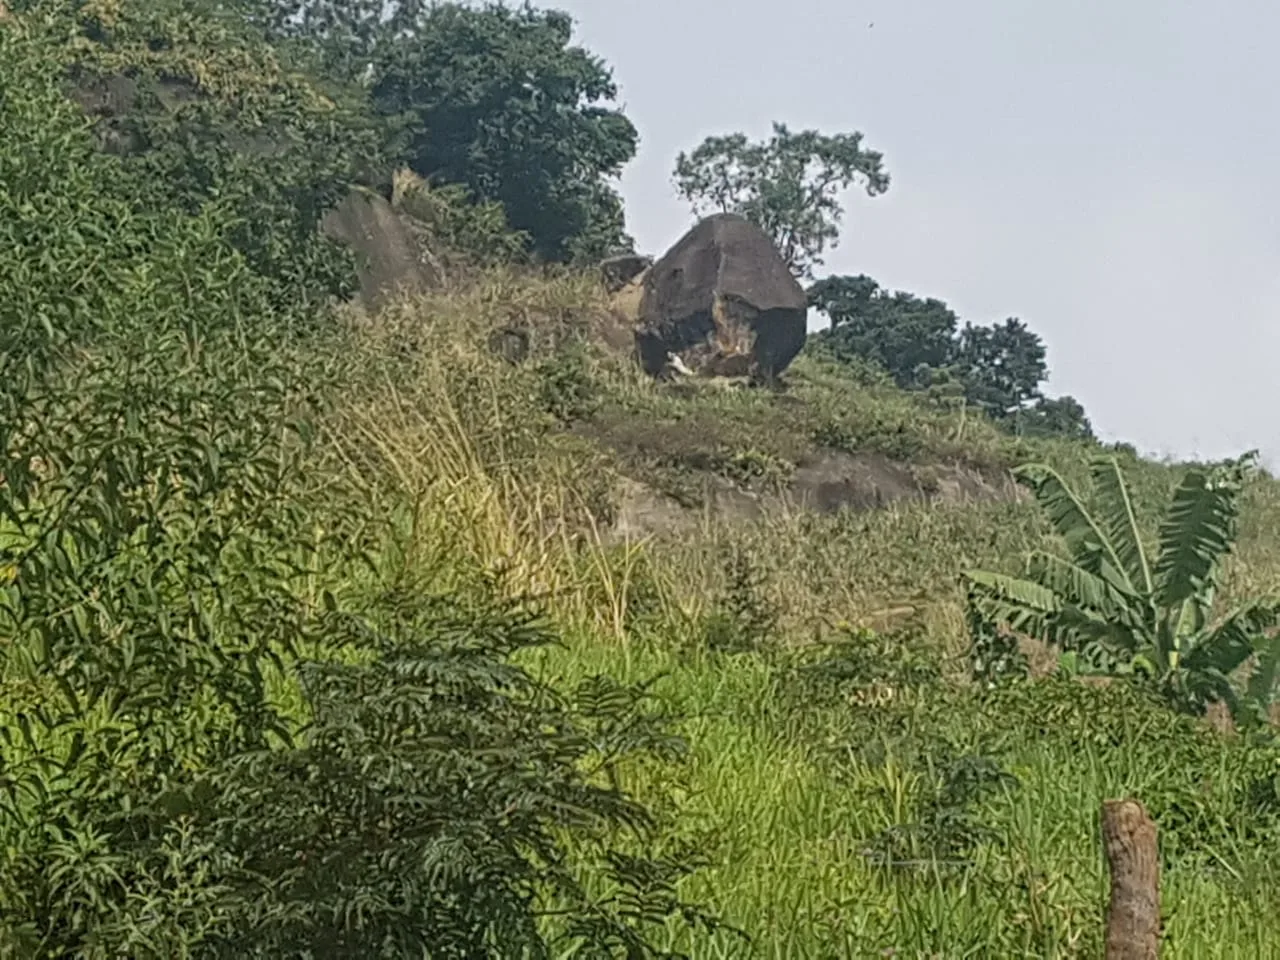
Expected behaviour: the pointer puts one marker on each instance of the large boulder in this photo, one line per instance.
(721, 302)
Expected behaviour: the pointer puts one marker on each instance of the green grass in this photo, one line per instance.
(785, 791)
(793, 797)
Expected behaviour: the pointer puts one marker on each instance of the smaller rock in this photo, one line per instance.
(389, 257)
(510, 344)
(623, 269)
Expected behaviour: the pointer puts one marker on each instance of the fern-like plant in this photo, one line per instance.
(1114, 610)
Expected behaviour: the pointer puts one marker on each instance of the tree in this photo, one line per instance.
(788, 185)
(491, 98)
(1002, 366)
(1055, 417)
(899, 331)
(498, 100)
(1114, 611)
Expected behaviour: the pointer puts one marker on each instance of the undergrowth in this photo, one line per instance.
(851, 790)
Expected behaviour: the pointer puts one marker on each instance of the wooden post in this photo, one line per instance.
(1133, 916)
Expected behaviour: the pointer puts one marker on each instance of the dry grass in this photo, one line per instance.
(495, 482)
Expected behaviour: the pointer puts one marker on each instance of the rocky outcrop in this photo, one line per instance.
(390, 258)
(722, 301)
(826, 483)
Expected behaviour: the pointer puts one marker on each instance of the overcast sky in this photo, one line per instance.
(1106, 170)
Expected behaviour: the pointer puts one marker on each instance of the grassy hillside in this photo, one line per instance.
(334, 635)
(853, 791)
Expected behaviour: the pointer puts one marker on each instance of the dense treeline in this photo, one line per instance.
(999, 369)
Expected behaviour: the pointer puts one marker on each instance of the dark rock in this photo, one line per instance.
(724, 301)
(124, 107)
(623, 269)
(510, 344)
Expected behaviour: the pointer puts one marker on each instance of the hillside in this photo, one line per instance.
(431, 625)
(810, 761)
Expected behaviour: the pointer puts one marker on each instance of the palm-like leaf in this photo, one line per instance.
(1085, 540)
(1228, 645)
(1076, 628)
(1119, 522)
(1122, 615)
(1022, 604)
(1262, 682)
(1195, 535)
(1076, 586)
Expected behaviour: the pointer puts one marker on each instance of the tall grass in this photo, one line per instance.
(796, 797)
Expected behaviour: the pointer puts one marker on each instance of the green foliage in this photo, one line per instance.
(150, 512)
(1113, 611)
(744, 619)
(878, 434)
(249, 710)
(447, 779)
(859, 668)
(339, 38)
(456, 223)
(944, 827)
(1001, 366)
(998, 369)
(223, 732)
(971, 814)
(1200, 810)
(200, 109)
(899, 331)
(498, 100)
(565, 385)
(1054, 417)
(789, 185)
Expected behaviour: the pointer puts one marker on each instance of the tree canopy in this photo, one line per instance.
(1062, 416)
(789, 185)
(920, 342)
(1002, 366)
(899, 331)
(494, 98)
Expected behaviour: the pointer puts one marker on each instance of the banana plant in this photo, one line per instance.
(1111, 609)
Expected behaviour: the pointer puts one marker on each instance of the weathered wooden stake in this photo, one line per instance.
(1133, 916)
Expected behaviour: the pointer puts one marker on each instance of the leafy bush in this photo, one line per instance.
(198, 109)
(744, 619)
(214, 741)
(453, 220)
(566, 386)
(425, 807)
(523, 119)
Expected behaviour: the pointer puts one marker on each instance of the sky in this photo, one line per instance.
(1109, 172)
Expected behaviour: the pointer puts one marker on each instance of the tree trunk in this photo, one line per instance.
(1133, 916)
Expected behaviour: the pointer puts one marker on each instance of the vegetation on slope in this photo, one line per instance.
(316, 637)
